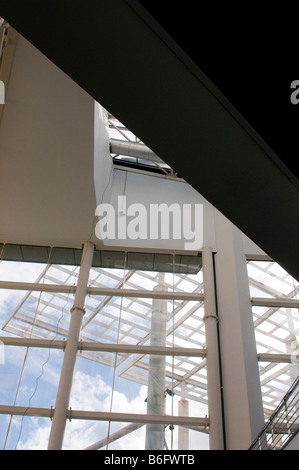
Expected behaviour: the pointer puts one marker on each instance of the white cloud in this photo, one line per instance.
(19, 272)
(89, 393)
(92, 393)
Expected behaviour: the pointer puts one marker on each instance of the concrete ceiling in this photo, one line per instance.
(126, 61)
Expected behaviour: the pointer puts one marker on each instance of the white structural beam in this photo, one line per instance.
(134, 426)
(107, 347)
(213, 367)
(242, 396)
(133, 149)
(66, 377)
(136, 293)
(106, 416)
(278, 358)
(115, 436)
(277, 302)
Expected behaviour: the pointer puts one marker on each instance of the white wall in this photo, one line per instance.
(103, 163)
(47, 155)
(149, 189)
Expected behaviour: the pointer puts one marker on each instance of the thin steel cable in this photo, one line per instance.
(42, 368)
(115, 359)
(16, 397)
(26, 354)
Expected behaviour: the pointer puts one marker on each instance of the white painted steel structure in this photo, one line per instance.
(71, 349)
(227, 349)
(275, 367)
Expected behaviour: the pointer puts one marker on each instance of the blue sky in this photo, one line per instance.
(92, 389)
(93, 382)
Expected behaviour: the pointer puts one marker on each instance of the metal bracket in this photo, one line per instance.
(78, 308)
(70, 414)
(211, 316)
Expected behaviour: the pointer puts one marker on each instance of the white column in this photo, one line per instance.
(66, 377)
(242, 397)
(183, 432)
(155, 433)
(213, 367)
(292, 345)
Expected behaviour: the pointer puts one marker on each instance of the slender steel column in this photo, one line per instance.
(67, 371)
(213, 366)
(155, 433)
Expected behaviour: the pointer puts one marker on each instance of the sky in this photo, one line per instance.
(92, 389)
